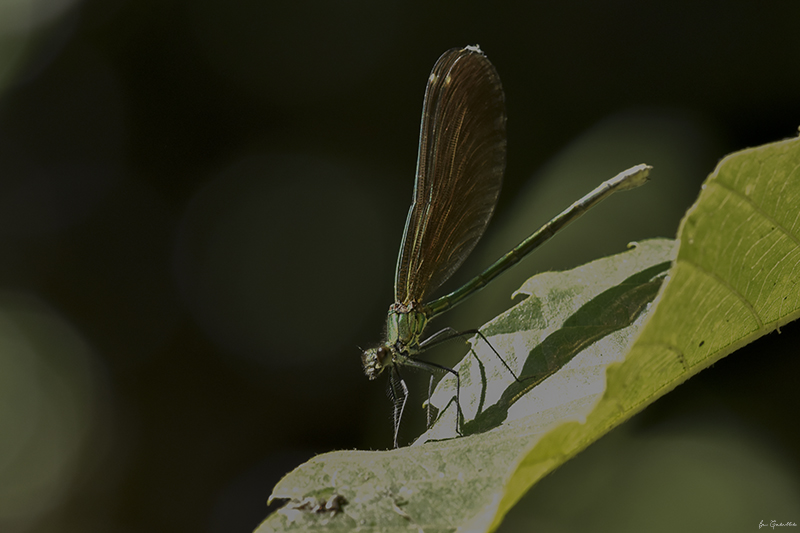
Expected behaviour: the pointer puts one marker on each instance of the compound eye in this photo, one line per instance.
(382, 354)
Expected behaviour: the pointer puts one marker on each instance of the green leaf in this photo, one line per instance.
(734, 280)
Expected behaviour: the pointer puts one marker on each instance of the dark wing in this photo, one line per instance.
(462, 157)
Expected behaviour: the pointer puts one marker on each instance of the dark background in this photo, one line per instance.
(201, 204)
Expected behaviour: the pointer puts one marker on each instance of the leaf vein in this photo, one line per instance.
(728, 286)
(759, 210)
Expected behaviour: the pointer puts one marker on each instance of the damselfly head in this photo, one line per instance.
(375, 360)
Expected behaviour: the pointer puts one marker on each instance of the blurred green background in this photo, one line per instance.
(201, 204)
